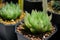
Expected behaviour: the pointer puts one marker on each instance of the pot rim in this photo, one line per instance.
(10, 24)
(42, 38)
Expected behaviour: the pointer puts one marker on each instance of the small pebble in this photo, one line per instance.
(12, 20)
(26, 35)
(46, 35)
(39, 38)
(18, 30)
(33, 36)
(43, 36)
(54, 30)
(29, 35)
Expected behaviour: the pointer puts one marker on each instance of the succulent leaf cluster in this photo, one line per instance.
(56, 5)
(10, 11)
(37, 21)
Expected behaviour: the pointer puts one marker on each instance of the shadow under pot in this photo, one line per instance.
(7, 32)
(30, 5)
(27, 35)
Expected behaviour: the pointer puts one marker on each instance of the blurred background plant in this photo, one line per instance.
(56, 5)
(10, 11)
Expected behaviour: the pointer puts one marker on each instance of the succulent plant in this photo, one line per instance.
(56, 5)
(37, 21)
(10, 11)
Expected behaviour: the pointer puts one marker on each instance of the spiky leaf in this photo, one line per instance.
(37, 21)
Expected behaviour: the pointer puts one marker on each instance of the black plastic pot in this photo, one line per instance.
(28, 6)
(52, 35)
(21, 37)
(7, 32)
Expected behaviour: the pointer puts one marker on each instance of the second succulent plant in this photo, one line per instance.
(10, 11)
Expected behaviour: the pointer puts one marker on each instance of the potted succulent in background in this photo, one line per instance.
(54, 8)
(35, 26)
(10, 15)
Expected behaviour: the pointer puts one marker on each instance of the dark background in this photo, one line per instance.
(29, 6)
